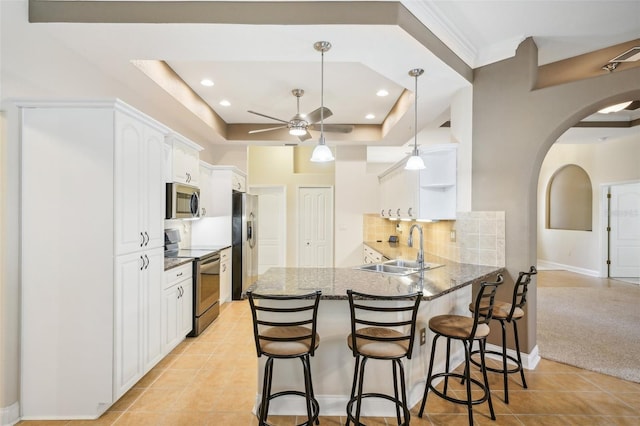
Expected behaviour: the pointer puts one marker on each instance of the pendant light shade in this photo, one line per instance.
(415, 162)
(322, 153)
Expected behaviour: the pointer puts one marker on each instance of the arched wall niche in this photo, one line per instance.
(569, 199)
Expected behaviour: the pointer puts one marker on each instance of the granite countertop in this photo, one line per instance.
(174, 262)
(334, 282)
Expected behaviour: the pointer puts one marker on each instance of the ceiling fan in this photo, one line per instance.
(299, 125)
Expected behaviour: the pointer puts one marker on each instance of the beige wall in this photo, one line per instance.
(605, 163)
(226, 155)
(514, 127)
(276, 165)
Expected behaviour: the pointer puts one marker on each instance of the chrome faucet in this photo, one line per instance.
(420, 258)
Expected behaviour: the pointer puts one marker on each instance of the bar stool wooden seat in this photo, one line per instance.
(285, 327)
(509, 313)
(467, 330)
(383, 328)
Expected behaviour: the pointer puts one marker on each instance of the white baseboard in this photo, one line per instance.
(529, 361)
(542, 264)
(10, 415)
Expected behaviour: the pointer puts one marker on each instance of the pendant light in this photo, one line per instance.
(322, 153)
(415, 162)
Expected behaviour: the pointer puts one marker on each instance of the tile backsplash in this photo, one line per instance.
(474, 237)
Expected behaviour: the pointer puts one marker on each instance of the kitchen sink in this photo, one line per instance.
(402, 263)
(397, 267)
(387, 269)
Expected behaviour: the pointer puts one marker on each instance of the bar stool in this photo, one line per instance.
(509, 313)
(383, 328)
(285, 327)
(466, 330)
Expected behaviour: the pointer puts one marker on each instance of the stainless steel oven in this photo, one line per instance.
(206, 300)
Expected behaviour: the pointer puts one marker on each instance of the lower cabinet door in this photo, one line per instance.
(177, 314)
(186, 303)
(170, 314)
(128, 363)
(153, 308)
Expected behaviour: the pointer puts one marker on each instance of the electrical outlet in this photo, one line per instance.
(423, 336)
(452, 236)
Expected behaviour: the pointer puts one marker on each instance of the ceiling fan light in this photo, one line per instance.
(297, 131)
(415, 162)
(614, 108)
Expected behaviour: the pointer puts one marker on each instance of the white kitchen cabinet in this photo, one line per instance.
(92, 310)
(177, 306)
(428, 194)
(139, 193)
(238, 181)
(207, 190)
(184, 161)
(138, 291)
(225, 275)
(371, 255)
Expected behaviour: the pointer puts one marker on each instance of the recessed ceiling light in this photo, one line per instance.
(369, 116)
(206, 82)
(614, 108)
(382, 92)
(225, 103)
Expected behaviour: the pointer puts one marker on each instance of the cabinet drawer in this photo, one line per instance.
(177, 274)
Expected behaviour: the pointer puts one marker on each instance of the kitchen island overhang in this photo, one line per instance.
(446, 290)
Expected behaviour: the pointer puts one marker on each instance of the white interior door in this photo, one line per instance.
(272, 217)
(315, 216)
(624, 238)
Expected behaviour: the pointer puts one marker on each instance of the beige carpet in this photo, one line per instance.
(593, 328)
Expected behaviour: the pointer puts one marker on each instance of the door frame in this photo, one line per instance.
(604, 221)
(257, 189)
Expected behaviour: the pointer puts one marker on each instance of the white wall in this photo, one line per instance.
(605, 163)
(356, 192)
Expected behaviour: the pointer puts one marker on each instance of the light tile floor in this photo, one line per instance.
(211, 380)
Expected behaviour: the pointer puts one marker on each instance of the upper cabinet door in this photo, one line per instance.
(129, 151)
(139, 187)
(185, 162)
(154, 188)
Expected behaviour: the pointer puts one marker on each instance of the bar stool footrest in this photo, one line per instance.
(516, 369)
(397, 402)
(476, 382)
(315, 406)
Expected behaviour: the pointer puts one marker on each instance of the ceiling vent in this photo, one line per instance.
(630, 55)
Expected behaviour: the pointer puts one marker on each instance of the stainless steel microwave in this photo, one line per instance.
(183, 201)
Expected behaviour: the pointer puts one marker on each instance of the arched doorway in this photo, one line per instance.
(575, 299)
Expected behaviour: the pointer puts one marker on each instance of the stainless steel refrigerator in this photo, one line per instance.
(244, 243)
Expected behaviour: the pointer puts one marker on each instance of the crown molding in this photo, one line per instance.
(433, 18)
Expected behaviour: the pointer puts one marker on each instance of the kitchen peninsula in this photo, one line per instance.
(446, 289)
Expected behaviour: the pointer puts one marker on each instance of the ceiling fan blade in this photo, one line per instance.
(334, 128)
(267, 116)
(314, 116)
(633, 105)
(267, 130)
(305, 137)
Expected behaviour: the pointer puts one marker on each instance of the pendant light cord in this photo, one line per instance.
(415, 121)
(322, 97)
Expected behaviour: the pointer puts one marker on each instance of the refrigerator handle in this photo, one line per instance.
(250, 231)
